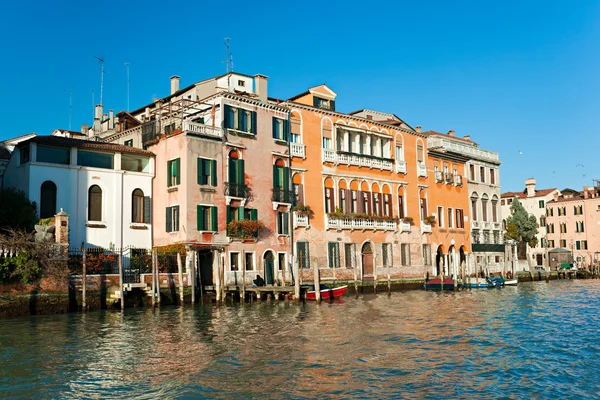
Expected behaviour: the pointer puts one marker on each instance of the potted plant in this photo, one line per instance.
(408, 220)
(245, 229)
(430, 220)
(302, 209)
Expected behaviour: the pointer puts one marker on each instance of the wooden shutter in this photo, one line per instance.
(286, 130)
(253, 120)
(300, 193)
(316, 101)
(286, 223)
(348, 200)
(169, 219)
(241, 114)
(254, 214)
(200, 170)
(229, 214)
(177, 165)
(275, 176)
(233, 167)
(332, 105)
(147, 210)
(240, 172)
(214, 222)
(213, 172)
(331, 200)
(200, 218)
(241, 213)
(360, 202)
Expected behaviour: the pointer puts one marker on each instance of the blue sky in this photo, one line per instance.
(518, 76)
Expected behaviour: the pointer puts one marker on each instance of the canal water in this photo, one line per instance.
(535, 340)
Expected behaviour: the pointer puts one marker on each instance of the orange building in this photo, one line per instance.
(364, 177)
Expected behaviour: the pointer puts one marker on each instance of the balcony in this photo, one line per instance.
(421, 169)
(438, 176)
(466, 149)
(360, 160)
(458, 180)
(404, 226)
(201, 129)
(238, 190)
(400, 167)
(487, 225)
(359, 223)
(496, 225)
(282, 195)
(298, 150)
(300, 220)
(475, 225)
(449, 179)
(425, 228)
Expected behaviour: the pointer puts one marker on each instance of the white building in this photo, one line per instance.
(534, 201)
(105, 188)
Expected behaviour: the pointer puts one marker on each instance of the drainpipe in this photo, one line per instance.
(295, 271)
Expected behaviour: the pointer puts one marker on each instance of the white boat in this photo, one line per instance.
(511, 282)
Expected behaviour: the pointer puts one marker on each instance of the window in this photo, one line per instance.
(140, 207)
(563, 243)
(584, 245)
(405, 254)
(207, 219)
(401, 207)
(234, 261)
(135, 163)
(349, 255)
(48, 200)
(492, 176)
(578, 210)
(423, 208)
(472, 172)
(577, 245)
(323, 103)
(327, 143)
(95, 203)
(474, 209)
(541, 204)
(484, 215)
(542, 221)
(173, 173)
(129, 143)
(207, 172)
(95, 160)
(386, 249)
(302, 252)
(25, 155)
(333, 255)
(450, 217)
(54, 155)
(281, 182)
(354, 201)
(482, 174)
(420, 156)
(579, 226)
(440, 213)
(550, 212)
(283, 223)
(460, 218)
(502, 202)
(551, 243)
(550, 228)
(329, 205)
(427, 254)
(241, 83)
(249, 261)
(239, 119)
(281, 261)
(237, 173)
(562, 211)
(280, 129)
(342, 200)
(172, 219)
(295, 129)
(399, 152)
(563, 228)
(241, 213)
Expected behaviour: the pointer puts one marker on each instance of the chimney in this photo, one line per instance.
(530, 186)
(369, 117)
(260, 86)
(418, 128)
(555, 196)
(451, 132)
(111, 119)
(147, 114)
(84, 129)
(467, 137)
(174, 84)
(98, 114)
(586, 193)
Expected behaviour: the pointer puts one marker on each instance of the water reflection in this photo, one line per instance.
(532, 340)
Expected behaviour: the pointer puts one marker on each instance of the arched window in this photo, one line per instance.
(95, 203)
(137, 206)
(48, 200)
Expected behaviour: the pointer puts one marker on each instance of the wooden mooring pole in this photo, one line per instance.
(121, 279)
(317, 282)
(83, 279)
(154, 266)
(180, 276)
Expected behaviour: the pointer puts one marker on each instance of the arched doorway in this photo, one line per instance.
(452, 262)
(439, 261)
(269, 265)
(48, 200)
(367, 259)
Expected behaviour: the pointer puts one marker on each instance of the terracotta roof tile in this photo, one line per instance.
(86, 144)
(523, 194)
(434, 133)
(566, 199)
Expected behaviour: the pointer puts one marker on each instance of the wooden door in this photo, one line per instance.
(367, 259)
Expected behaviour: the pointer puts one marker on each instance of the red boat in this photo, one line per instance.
(439, 284)
(326, 293)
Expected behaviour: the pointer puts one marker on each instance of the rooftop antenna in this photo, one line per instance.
(70, 106)
(228, 63)
(101, 77)
(93, 104)
(127, 65)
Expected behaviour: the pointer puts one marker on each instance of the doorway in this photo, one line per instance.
(367, 259)
(269, 263)
(439, 261)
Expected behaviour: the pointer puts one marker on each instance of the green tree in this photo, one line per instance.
(521, 226)
(16, 211)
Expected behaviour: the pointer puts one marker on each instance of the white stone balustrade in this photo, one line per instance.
(400, 167)
(356, 159)
(421, 169)
(202, 129)
(300, 220)
(425, 228)
(359, 223)
(298, 150)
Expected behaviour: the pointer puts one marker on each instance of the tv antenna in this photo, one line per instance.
(127, 66)
(101, 77)
(70, 106)
(93, 104)
(229, 61)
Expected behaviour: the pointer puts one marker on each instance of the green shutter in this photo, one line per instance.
(286, 130)
(176, 164)
(213, 172)
(214, 222)
(169, 172)
(240, 172)
(147, 210)
(169, 219)
(254, 214)
(286, 184)
(233, 167)
(200, 217)
(286, 223)
(241, 117)
(240, 215)
(253, 121)
(332, 105)
(200, 170)
(229, 214)
(227, 120)
(275, 129)
(316, 101)
(275, 176)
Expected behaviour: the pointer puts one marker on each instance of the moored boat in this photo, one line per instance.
(440, 284)
(511, 282)
(476, 283)
(495, 281)
(326, 292)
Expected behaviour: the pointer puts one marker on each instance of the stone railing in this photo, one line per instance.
(487, 225)
(404, 226)
(298, 150)
(421, 169)
(458, 180)
(359, 223)
(425, 228)
(497, 225)
(438, 176)
(463, 148)
(202, 129)
(400, 167)
(300, 220)
(356, 159)
(475, 224)
(449, 179)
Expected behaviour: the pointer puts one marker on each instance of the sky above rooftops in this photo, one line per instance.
(520, 77)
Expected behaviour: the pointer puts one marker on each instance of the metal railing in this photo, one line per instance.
(282, 195)
(449, 178)
(236, 189)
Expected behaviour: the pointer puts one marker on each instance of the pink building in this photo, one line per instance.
(573, 223)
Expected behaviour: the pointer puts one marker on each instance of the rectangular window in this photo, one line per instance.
(492, 176)
(427, 254)
(440, 215)
(563, 243)
(420, 154)
(95, 160)
(405, 254)
(281, 261)
(173, 173)
(234, 261)
(551, 243)
(326, 143)
(399, 153)
(577, 245)
(239, 119)
(584, 245)
(25, 158)
(302, 252)
(349, 255)
(550, 212)
(329, 204)
(207, 218)
(494, 211)
(474, 209)
(280, 129)
(129, 143)
(472, 172)
(283, 223)
(173, 219)
(563, 228)
(460, 218)
(482, 174)
(541, 204)
(249, 261)
(450, 218)
(333, 255)
(135, 163)
(207, 172)
(386, 249)
(401, 207)
(54, 155)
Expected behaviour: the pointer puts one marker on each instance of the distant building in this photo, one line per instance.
(106, 189)
(534, 201)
